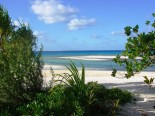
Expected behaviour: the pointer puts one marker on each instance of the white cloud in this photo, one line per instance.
(52, 11)
(39, 34)
(16, 23)
(19, 22)
(117, 33)
(75, 24)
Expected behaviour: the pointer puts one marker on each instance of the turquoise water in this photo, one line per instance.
(57, 58)
(80, 53)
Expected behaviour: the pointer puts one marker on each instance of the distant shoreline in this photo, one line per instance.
(76, 50)
(91, 62)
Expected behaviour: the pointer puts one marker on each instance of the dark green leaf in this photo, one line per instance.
(153, 24)
(147, 22)
(114, 72)
(151, 80)
(135, 29)
(153, 14)
(145, 77)
(128, 30)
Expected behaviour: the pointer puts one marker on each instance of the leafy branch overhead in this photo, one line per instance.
(140, 50)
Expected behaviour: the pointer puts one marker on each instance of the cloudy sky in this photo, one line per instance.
(80, 24)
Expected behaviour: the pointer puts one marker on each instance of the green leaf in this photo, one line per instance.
(151, 80)
(117, 103)
(153, 14)
(147, 22)
(114, 72)
(153, 24)
(147, 82)
(146, 78)
(128, 30)
(83, 74)
(135, 29)
(1, 31)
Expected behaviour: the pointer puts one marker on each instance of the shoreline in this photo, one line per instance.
(93, 57)
(91, 62)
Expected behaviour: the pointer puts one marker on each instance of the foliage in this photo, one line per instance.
(59, 101)
(75, 80)
(91, 96)
(148, 81)
(37, 106)
(117, 94)
(20, 66)
(7, 109)
(140, 50)
(98, 102)
(21, 81)
(73, 97)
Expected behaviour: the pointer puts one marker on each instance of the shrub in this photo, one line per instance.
(118, 94)
(58, 101)
(37, 107)
(20, 68)
(76, 98)
(62, 101)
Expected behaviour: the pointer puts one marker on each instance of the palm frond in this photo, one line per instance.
(74, 79)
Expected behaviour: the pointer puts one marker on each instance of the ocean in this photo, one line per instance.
(63, 58)
(81, 53)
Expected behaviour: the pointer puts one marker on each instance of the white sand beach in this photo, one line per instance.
(96, 58)
(144, 95)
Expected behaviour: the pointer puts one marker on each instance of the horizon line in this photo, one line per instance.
(75, 50)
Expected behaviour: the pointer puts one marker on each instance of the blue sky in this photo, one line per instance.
(80, 24)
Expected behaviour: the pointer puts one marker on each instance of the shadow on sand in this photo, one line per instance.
(144, 98)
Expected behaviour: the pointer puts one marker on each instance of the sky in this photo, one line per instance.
(62, 25)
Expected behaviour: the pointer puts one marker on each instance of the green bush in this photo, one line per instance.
(72, 99)
(98, 104)
(37, 107)
(118, 94)
(59, 101)
(8, 110)
(20, 67)
(62, 101)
